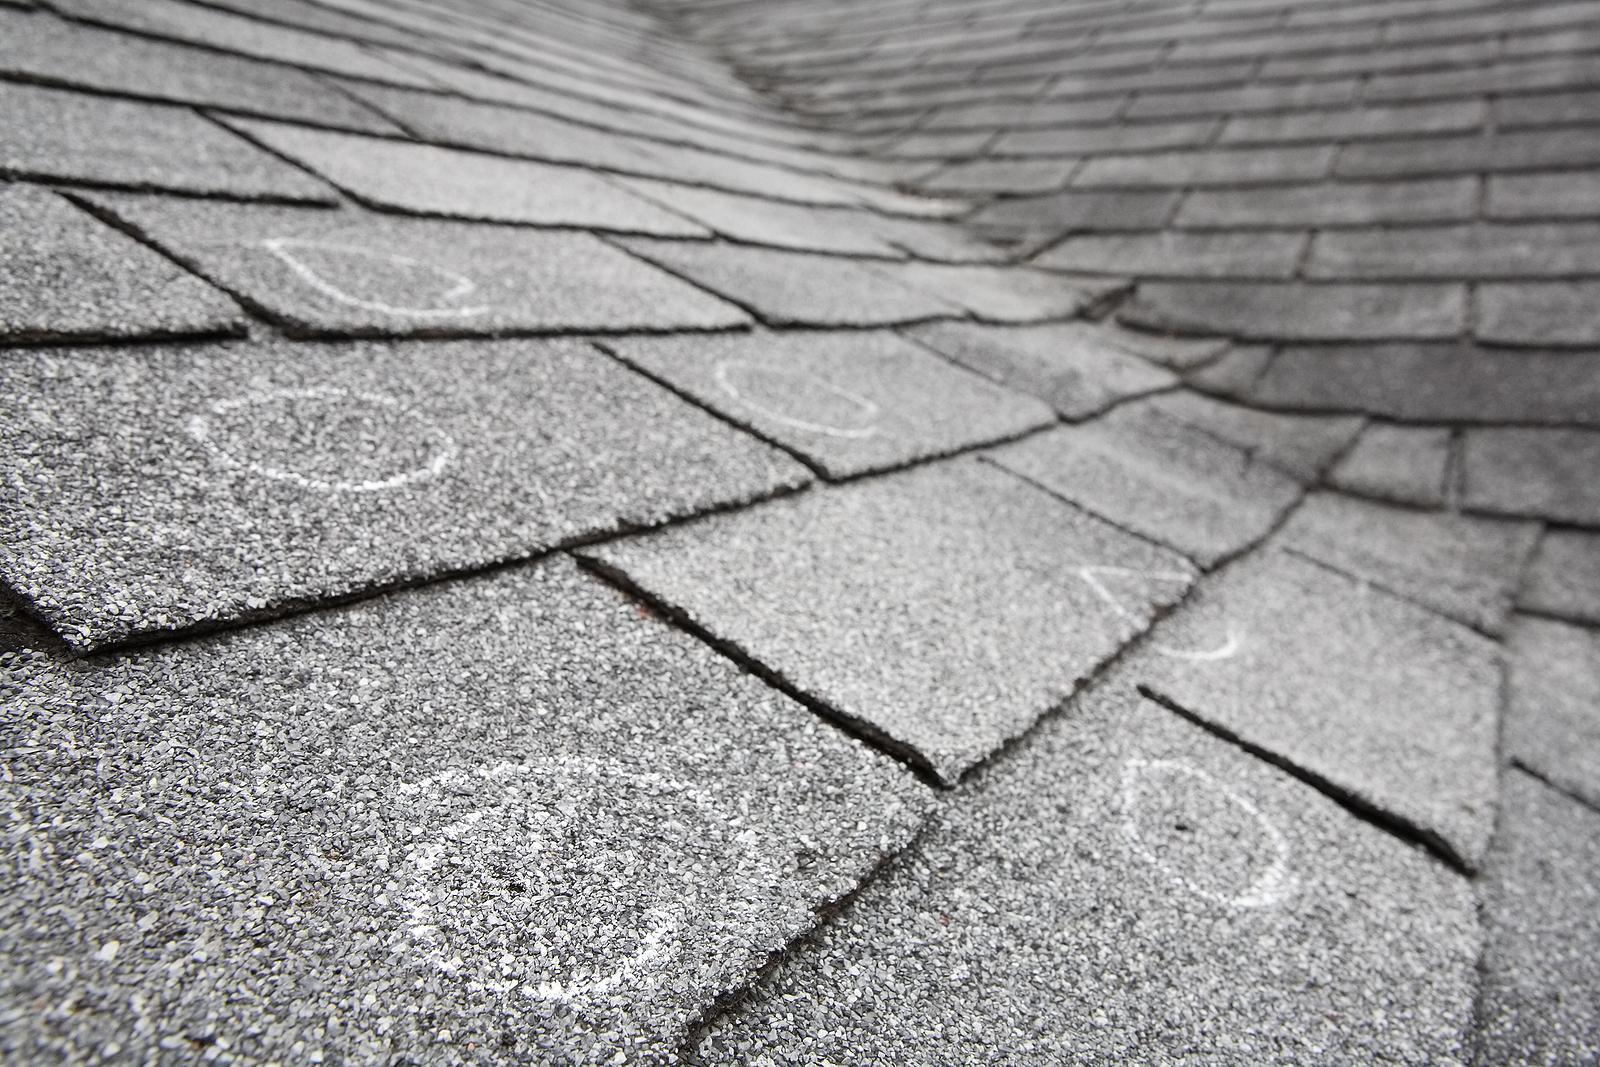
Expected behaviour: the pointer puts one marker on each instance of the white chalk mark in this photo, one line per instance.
(1227, 650)
(1092, 575)
(657, 943)
(463, 285)
(869, 410)
(1272, 887)
(199, 428)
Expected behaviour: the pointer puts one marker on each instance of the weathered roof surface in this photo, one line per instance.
(795, 531)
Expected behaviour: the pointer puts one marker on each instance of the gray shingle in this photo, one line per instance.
(1301, 445)
(1089, 140)
(846, 231)
(876, 601)
(1073, 367)
(1015, 294)
(359, 273)
(1563, 579)
(1539, 313)
(1556, 195)
(1405, 464)
(1553, 708)
(229, 32)
(1179, 254)
(161, 489)
(1279, 96)
(1029, 222)
(1126, 887)
(848, 403)
(1548, 109)
(1390, 706)
(1292, 311)
(1463, 567)
(442, 181)
(1486, 250)
(67, 136)
(1002, 175)
(1511, 151)
(1356, 123)
(1435, 382)
(65, 276)
(44, 48)
(517, 788)
(1161, 478)
(1537, 472)
(1332, 204)
(795, 288)
(1231, 166)
(1541, 959)
(1513, 76)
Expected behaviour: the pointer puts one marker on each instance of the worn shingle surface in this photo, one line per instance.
(572, 871)
(173, 487)
(944, 609)
(1312, 282)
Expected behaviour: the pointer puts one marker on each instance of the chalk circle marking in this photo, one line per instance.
(1272, 887)
(869, 410)
(199, 428)
(657, 943)
(463, 285)
(1092, 575)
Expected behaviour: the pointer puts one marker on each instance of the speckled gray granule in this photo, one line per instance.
(943, 608)
(848, 401)
(506, 820)
(360, 273)
(1125, 888)
(66, 276)
(158, 488)
(1377, 697)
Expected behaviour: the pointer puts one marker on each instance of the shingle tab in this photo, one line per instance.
(942, 610)
(1389, 706)
(1161, 478)
(429, 180)
(1332, 204)
(787, 288)
(1463, 567)
(1125, 886)
(64, 276)
(1405, 464)
(1539, 965)
(1563, 580)
(849, 402)
(41, 47)
(162, 489)
(59, 135)
(1553, 706)
(1537, 472)
(1073, 367)
(1178, 254)
(1293, 311)
(1435, 382)
(577, 826)
(359, 273)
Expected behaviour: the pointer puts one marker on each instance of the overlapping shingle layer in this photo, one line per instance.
(792, 531)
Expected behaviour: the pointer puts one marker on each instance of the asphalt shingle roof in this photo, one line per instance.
(793, 531)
